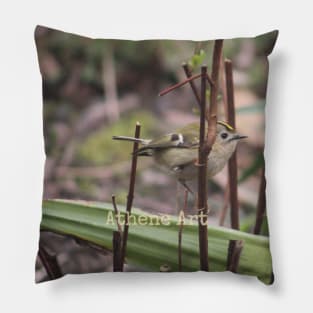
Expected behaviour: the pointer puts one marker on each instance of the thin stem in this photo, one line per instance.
(205, 146)
(192, 83)
(202, 180)
(116, 214)
(180, 232)
(234, 251)
(130, 195)
(232, 163)
(211, 113)
(206, 141)
(231, 246)
(117, 245)
(50, 263)
(169, 89)
(210, 81)
(260, 212)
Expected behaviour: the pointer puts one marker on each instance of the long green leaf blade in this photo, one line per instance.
(151, 246)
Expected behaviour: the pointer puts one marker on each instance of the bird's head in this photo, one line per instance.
(227, 137)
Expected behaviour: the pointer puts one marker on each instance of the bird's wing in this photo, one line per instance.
(185, 137)
(175, 140)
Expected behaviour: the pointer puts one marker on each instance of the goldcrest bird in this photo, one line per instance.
(177, 152)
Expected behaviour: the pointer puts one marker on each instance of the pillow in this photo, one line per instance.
(154, 155)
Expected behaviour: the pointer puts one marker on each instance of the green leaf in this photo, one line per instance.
(151, 246)
(197, 59)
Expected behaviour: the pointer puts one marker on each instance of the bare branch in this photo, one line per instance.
(116, 214)
(180, 233)
(205, 146)
(169, 89)
(211, 113)
(117, 249)
(232, 163)
(234, 251)
(130, 195)
(50, 263)
(192, 83)
(202, 179)
(210, 81)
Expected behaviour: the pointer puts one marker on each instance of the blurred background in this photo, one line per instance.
(94, 89)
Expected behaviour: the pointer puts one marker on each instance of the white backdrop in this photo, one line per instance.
(288, 155)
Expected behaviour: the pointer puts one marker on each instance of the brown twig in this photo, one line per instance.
(116, 214)
(211, 114)
(192, 83)
(130, 195)
(171, 88)
(209, 79)
(232, 163)
(231, 246)
(117, 257)
(260, 212)
(180, 233)
(205, 142)
(234, 250)
(205, 146)
(50, 263)
(202, 179)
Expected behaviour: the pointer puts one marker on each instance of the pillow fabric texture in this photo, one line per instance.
(158, 202)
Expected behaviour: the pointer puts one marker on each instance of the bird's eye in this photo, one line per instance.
(224, 135)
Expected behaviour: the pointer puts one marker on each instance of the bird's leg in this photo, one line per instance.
(183, 182)
(181, 219)
(196, 163)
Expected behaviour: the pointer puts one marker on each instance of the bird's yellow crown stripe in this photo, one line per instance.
(226, 125)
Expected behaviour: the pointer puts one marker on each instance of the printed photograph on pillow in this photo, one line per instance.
(154, 155)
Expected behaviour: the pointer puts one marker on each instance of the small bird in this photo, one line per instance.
(177, 152)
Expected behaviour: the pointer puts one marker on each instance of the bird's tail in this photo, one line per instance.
(133, 139)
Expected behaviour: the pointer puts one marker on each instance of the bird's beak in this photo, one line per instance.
(237, 137)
